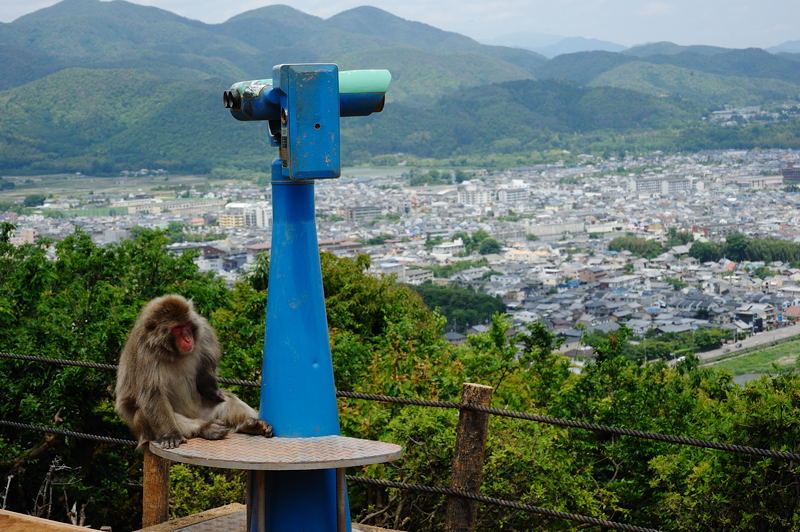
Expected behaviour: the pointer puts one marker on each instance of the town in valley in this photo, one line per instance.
(548, 230)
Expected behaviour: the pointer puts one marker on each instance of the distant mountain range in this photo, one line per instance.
(118, 34)
(99, 86)
(789, 47)
(553, 45)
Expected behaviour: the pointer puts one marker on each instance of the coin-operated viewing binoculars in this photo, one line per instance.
(302, 104)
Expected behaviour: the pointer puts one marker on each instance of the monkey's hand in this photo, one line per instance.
(258, 427)
(171, 440)
(214, 431)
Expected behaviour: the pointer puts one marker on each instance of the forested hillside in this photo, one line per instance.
(702, 87)
(96, 34)
(100, 87)
(81, 304)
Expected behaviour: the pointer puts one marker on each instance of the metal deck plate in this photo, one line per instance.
(237, 522)
(243, 451)
(227, 523)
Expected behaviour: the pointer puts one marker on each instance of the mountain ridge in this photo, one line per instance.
(91, 33)
(451, 95)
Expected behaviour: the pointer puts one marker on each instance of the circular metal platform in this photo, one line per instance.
(243, 451)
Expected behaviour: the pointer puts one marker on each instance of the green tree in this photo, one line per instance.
(678, 238)
(677, 284)
(489, 246)
(492, 355)
(545, 369)
(736, 246)
(461, 307)
(80, 306)
(34, 200)
(641, 247)
(610, 345)
(762, 272)
(705, 251)
(6, 232)
(433, 241)
(378, 240)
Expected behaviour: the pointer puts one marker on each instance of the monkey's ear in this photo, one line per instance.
(150, 325)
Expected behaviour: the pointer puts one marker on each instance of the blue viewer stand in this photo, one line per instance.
(297, 393)
(296, 479)
(302, 104)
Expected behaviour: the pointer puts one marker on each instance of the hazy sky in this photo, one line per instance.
(730, 23)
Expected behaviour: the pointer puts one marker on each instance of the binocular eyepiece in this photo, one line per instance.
(232, 100)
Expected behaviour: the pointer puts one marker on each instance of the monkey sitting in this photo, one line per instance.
(167, 379)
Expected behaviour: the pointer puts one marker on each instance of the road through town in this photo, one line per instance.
(750, 342)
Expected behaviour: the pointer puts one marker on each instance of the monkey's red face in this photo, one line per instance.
(184, 338)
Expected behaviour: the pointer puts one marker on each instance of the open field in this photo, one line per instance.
(64, 185)
(72, 185)
(785, 355)
(757, 341)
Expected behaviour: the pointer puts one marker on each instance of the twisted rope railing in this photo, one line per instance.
(596, 427)
(592, 521)
(500, 502)
(377, 482)
(61, 361)
(65, 432)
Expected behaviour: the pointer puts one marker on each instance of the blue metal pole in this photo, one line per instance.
(298, 396)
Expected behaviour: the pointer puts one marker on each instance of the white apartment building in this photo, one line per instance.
(512, 195)
(245, 215)
(449, 249)
(473, 193)
(665, 186)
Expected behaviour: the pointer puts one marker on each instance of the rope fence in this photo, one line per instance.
(596, 427)
(499, 502)
(587, 520)
(64, 432)
(377, 482)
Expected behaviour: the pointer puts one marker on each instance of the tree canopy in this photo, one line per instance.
(738, 247)
(461, 307)
(77, 300)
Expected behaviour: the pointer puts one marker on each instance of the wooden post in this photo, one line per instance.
(155, 487)
(468, 458)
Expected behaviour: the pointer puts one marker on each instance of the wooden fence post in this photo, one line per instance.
(468, 458)
(155, 489)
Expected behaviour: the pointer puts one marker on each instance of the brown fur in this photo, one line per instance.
(167, 396)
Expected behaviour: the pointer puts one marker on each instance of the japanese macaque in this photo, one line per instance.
(167, 379)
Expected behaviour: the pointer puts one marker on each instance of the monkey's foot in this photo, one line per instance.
(170, 441)
(214, 431)
(258, 427)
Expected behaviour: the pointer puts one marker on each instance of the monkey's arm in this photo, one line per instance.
(164, 424)
(170, 429)
(206, 382)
